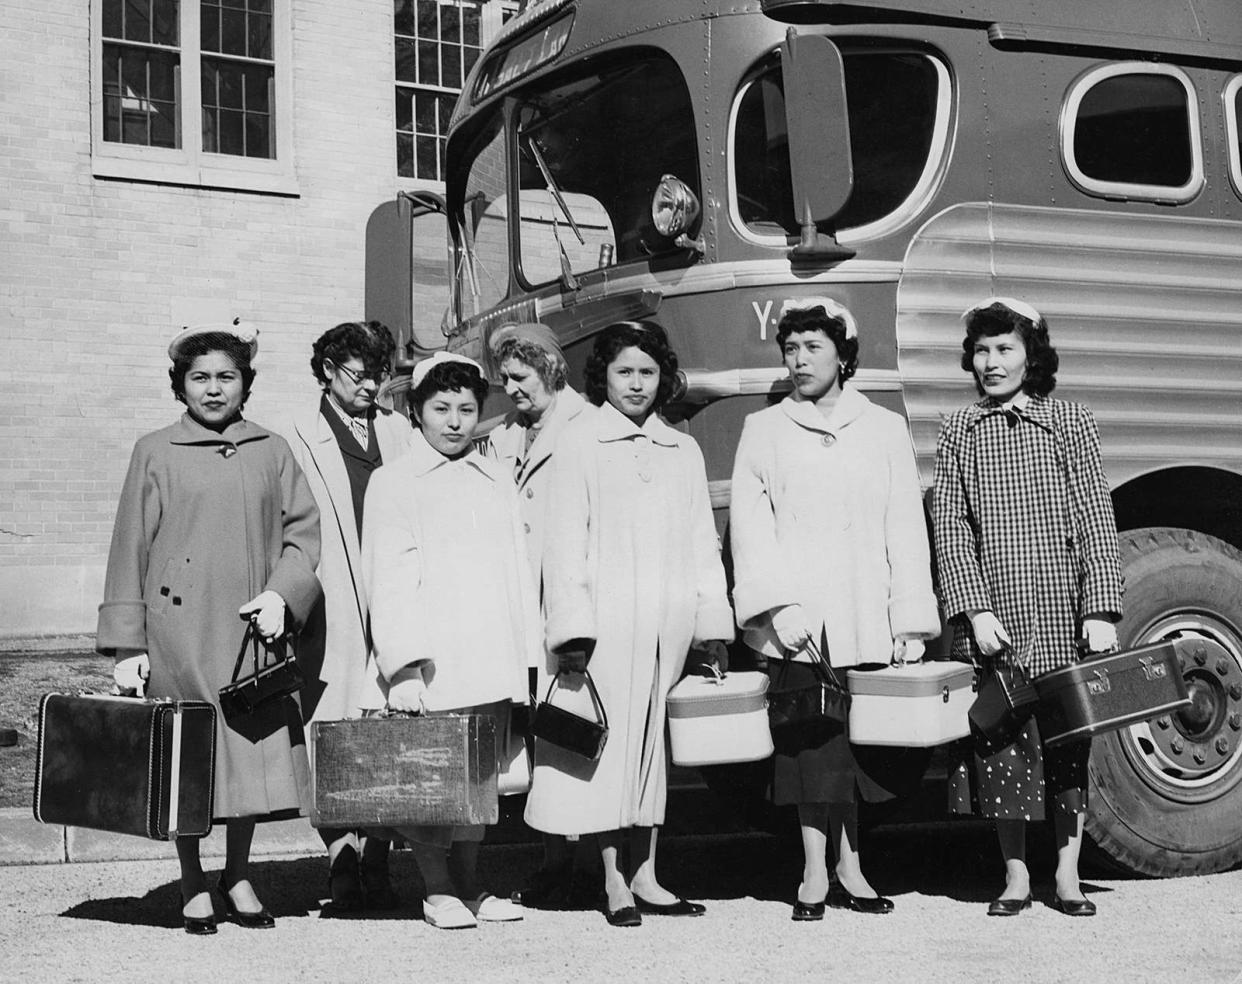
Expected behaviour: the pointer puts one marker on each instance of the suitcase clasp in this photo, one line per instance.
(944, 693)
(1100, 685)
(1153, 670)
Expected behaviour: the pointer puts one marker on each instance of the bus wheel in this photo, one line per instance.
(1166, 795)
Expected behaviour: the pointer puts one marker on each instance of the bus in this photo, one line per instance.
(699, 161)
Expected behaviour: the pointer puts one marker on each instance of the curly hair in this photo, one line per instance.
(646, 336)
(550, 368)
(370, 342)
(212, 341)
(817, 319)
(448, 377)
(1042, 360)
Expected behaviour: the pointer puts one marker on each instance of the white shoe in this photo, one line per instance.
(449, 914)
(490, 908)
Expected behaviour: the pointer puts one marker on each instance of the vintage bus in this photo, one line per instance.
(698, 161)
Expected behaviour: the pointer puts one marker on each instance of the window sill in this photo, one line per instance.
(256, 177)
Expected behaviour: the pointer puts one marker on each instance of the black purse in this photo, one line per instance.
(1005, 702)
(570, 731)
(827, 700)
(267, 683)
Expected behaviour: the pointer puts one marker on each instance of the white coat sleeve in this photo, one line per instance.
(569, 588)
(759, 573)
(713, 617)
(911, 603)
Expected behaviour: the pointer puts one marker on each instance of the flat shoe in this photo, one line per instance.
(807, 911)
(246, 920)
(627, 915)
(489, 908)
(1008, 907)
(840, 898)
(449, 914)
(199, 926)
(679, 908)
(1083, 908)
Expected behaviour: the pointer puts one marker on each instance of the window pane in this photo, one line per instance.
(450, 25)
(445, 103)
(428, 63)
(427, 158)
(425, 112)
(1237, 116)
(256, 80)
(137, 20)
(112, 18)
(470, 24)
(209, 26)
(140, 89)
(471, 56)
(237, 109)
(406, 71)
(451, 62)
(484, 210)
(163, 124)
(260, 36)
(403, 16)
(233, 32)
(231, 139)
(261, 6)
(166, 27)
(405, 155)
(427, 27)
(405, 110)
(258, 135)
(1135, 129)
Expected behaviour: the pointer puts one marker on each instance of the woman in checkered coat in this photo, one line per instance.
(1026, 545)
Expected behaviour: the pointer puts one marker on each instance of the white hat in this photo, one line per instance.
(421, 369)
(1020, 308)
(239, 329)
(831, 307)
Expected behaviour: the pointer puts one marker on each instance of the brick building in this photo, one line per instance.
(168, 162)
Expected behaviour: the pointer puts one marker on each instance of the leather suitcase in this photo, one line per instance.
(914, 705)
(126, 765)
(1110, 691)
(438, 769)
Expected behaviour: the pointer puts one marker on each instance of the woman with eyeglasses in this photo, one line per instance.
(339, 444)
(1026, 545)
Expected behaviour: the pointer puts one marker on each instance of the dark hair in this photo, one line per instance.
(370, 342)
(212, 341)
(448, 377)
(644, 335)
(549, 367)
(1041, 358)
(799, 321)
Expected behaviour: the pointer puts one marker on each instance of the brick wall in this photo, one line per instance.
(95, 273)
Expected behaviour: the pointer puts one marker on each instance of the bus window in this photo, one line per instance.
(1132, 131)
(1233, 124)
(898, 109)
(591, 151)
(484, 223)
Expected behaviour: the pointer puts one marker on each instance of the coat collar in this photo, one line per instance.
(850, 405)
(509, 438)
(187, 430)
(616, 426)
(425, 459)
(1038, 410)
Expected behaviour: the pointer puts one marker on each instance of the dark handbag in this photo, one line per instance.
(1006, 701)
(267, 683)
(570, 731)
(827, 700)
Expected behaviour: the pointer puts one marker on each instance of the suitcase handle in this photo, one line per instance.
(595, 701)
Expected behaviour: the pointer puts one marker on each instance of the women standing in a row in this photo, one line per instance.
(215, 518)
(632, 578)
(1027, 547)
(829, 544)
(339, 444)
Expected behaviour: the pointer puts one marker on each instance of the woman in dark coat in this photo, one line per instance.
(1026, 544)
(215, 519)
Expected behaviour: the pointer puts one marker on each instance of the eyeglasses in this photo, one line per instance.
(356, 377)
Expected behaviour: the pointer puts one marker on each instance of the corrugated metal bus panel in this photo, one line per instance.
(1145, 311)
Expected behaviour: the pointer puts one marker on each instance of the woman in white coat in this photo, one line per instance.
(829, 546)
(454, 617)
(632, 579)
(527, 358)
(339, 443)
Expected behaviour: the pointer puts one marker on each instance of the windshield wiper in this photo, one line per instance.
(553, 189)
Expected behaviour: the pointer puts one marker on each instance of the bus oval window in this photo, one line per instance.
(897, 119)
(1132, 131)
(1233, 123)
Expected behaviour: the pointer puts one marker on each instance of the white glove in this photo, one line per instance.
(791, 628)
(131, 675)
(267, 611)
(408, 693)
(907, 650)
(990, 635)
(1101, 634)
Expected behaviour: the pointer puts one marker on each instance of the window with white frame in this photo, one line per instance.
(1233, 131)
(193, 92)
(437, 43)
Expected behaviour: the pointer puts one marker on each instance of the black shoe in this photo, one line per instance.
(807, 911)
(1083, 908)
(1008, 907)
(550, 888)
(199, 926)
(247, 920)
(840, 898)
(679, 908)
(627, 915)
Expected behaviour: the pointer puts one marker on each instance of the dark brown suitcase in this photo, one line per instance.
(126, 765)
(1110, 691)
(437, 769)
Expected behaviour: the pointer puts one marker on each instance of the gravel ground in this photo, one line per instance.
(118, 922)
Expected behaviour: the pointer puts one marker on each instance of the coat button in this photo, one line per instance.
(828, 440)
(530, 493)
(527, 525)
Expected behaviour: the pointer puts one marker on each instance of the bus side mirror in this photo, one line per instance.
(817, 121)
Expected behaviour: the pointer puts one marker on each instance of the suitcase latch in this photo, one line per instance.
(944, 693)
(1153, 670)
(1100, 685)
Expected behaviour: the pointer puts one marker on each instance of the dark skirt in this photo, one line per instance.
(815, 763)
(1016, 781)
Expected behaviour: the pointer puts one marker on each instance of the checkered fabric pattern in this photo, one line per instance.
(1024, 526)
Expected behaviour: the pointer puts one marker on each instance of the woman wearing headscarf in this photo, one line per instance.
(215, 519)
(1026, 548)
(339, 443)
(529, 362)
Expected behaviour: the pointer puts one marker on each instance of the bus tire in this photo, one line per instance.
(1165, 796)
